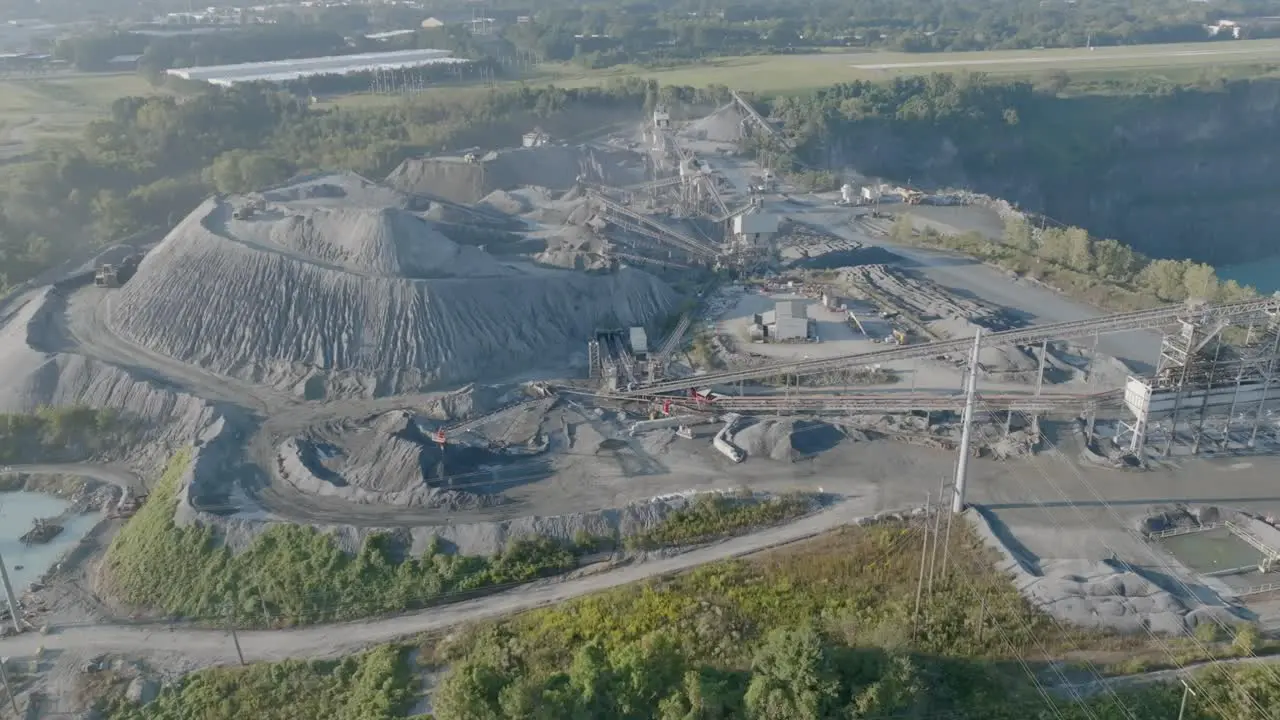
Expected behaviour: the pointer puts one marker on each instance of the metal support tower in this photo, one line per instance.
(593, 358)
(15, 610)
(971, 390)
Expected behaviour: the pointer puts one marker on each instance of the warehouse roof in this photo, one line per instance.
(283, 70)
(790, 309)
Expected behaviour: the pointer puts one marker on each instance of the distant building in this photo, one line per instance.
(639, 342)
(390, 35)
(276, 71)
(787, 321)
(432, 22)
(755, 228)
(121, 62)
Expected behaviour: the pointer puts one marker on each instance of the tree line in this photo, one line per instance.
(154, 159)
(667, 32)
(1073, 156)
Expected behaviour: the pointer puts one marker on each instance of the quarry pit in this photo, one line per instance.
(515, 341)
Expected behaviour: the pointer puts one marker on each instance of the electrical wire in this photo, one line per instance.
(1097, 533)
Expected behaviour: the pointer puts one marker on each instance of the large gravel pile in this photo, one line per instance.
(1100, 594)
(787, 439)
(37, 372)
(555, 167)
(723, 126)
(369, 295)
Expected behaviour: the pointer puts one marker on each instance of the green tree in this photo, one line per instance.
(792, 678)
(1165, 278)
(1115, 261)
(1200, 281)
(1017, 233)
(1055, 246)
(897, 689)
(1079, 249)
(705, 694)
(471, 691)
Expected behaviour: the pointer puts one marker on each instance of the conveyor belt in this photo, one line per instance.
(1122, 322)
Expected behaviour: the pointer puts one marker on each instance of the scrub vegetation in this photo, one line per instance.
(1104, 272)
(293, 574)
(821, 629)
(58, 434)
(711, 517)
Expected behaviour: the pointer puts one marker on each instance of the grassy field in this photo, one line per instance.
(789, 73)
(34, 107)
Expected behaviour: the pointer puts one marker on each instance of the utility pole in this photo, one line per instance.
(966, 434)
(937, 531)
(924, 554)
(235, 638)
(4, 677)
(14, 610)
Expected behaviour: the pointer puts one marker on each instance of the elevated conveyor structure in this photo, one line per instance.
(1122, 322)
(629, 219)
(756, 118)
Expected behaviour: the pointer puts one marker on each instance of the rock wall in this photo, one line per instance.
(1185, 174)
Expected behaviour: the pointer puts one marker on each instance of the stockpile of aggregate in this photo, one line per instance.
(555, 167)
(39, 369)
(368, 295)
(723, 125)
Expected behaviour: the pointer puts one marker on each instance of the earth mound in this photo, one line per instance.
(363, 298)
(555, 167)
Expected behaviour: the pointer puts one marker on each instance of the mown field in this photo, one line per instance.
(789, 73)
(38, 107)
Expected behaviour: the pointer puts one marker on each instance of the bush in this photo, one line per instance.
(713, 516)
(371, 686)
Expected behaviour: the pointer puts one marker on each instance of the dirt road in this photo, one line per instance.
(111, 474)
(214, 647)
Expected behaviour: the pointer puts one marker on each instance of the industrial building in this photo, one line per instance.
(788, 321)
(755, 228)
(286, 70)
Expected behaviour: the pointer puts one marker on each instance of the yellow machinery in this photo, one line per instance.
(900, 337)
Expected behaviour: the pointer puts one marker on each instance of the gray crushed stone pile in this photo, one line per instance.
(319, 288)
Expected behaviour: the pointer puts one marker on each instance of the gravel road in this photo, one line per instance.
(111, 474)
(214, 647)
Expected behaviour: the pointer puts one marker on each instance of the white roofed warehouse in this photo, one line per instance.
(287, 70)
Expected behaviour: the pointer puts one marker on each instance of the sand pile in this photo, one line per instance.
(392, 460)
(576, 248)
(553, 167)
(786, 439)
(505, 202)
(361, 297)
(723, 125)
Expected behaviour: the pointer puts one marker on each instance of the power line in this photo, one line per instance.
(1155, 638)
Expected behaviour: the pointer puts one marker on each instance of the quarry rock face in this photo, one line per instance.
(339, 283)
(1209, 201)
